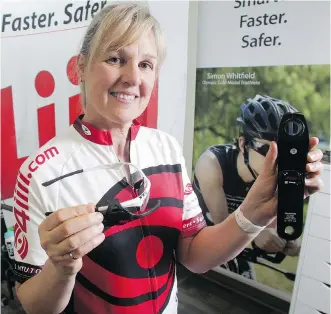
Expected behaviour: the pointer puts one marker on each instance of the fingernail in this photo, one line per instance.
(311, 155)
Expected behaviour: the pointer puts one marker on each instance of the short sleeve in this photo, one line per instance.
(193, 220)
(28, 214)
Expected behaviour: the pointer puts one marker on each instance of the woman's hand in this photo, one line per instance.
(269, 241)
(76, 231)
(260, 204)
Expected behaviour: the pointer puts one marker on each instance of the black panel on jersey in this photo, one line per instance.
(110, 251)
(162, 168)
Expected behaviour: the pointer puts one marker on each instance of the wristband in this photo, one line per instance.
(245, 224)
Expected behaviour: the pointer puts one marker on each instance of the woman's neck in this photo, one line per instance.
(120, 134)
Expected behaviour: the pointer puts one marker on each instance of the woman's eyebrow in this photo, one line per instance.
(147, 55)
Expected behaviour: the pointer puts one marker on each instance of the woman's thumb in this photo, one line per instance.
(270, 162)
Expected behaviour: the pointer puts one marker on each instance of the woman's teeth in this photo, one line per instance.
(123, 96)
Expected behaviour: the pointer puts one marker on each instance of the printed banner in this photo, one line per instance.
(40, 95)
(269, 57)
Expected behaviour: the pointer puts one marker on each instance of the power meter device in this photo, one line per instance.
(293, 146)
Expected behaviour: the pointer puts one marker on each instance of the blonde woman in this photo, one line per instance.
(71, 261)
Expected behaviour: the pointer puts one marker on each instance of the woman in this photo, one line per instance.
(67, 261)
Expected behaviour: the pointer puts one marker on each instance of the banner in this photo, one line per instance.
(262, 52)
(40, 95)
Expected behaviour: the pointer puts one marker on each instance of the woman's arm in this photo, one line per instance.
(46, 292)
(213, 246)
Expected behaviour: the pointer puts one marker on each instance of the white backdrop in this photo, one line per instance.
(304, 38)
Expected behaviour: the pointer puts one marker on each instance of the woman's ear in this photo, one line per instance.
(81, 67)
(241, 143)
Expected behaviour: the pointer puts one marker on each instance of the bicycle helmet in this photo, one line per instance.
(261, 116)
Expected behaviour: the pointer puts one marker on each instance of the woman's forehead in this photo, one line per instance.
(145, 46)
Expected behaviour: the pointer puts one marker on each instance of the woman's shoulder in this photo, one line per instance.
(157, 137)
(53, 154)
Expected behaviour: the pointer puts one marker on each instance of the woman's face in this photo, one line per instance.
(118, 87)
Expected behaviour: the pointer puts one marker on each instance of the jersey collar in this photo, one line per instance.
(101, 136)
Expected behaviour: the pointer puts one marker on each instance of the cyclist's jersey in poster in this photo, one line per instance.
(235, 190)
(133, 270)
(234, 187)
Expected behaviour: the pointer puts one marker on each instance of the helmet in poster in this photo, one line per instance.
(260, 117)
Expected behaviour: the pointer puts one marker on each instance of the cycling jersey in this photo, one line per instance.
(133, 270)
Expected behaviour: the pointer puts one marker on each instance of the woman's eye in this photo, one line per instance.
(146, 65)
(114, 60)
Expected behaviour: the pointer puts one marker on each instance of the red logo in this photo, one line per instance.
(44, 85)
(21, 207)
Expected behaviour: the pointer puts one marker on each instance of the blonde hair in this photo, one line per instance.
(116, 26)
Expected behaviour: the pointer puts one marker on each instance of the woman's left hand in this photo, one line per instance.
(260, 204)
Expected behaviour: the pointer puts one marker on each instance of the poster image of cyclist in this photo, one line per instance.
(237, 114)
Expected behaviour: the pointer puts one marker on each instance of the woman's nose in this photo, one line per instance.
(131, 75)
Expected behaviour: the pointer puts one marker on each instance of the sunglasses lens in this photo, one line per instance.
(259, 147)
(264, 150)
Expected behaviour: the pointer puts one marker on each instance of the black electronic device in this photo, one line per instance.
(293, 146)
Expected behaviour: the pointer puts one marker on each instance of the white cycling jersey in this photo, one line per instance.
(133, 270)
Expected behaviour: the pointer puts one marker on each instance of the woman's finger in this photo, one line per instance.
(74, 225)
(63, 214)
(76, 241)
(314, 166)
(88, 246)
(313, 142)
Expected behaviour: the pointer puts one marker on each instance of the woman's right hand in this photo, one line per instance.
(76, 230)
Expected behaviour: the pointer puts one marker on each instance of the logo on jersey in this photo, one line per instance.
(188, 189)
(86, 130)
(42, 158)
(21, 207)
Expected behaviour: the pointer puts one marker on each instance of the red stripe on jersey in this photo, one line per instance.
(115, 285)
(88, 303)
(166, 184)
(163, 216)
(193, 225)
(164, 296)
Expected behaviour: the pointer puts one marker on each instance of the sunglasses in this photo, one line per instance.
(261, 148)
(115, 212)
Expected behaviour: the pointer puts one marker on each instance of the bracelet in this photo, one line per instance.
(245, 224)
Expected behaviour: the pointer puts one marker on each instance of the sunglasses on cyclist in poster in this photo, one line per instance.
(259, 147)
(115, 212)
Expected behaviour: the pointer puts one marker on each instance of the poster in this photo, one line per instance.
(40, 94)
(271, 51)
